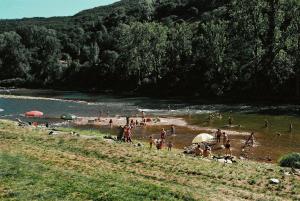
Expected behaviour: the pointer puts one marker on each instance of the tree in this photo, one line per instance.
(143, 50)
(13, 57)
(211, 48)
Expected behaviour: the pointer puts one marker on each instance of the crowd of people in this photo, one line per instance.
(205, 150)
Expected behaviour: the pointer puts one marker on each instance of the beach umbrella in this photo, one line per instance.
(34, 114)
(68, 116)
(203, 137)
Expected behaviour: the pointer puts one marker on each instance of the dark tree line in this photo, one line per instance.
(179, 47)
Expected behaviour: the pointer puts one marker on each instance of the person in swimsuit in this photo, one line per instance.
(227, 148)
(225, 138)
(163, 134)
(110, 123)
(250, 141)
(198, 151)
(173, 131)
(207, 152)
(218, 135)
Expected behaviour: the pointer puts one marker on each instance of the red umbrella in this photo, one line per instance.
(34, 114)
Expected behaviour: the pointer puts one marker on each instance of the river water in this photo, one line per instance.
(272, 142)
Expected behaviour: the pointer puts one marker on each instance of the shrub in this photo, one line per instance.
(290, 160)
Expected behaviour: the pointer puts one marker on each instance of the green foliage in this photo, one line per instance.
(290, 160)
(219, 48)
(145, 45)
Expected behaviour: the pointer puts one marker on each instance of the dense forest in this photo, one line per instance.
(236, 48)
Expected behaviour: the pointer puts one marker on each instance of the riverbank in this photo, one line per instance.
(35, 165)
(156, 121)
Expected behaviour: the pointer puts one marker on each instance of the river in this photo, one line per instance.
(272, 142)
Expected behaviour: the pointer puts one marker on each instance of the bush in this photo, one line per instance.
(290, 160)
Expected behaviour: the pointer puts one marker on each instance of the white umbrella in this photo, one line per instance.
(203, 137)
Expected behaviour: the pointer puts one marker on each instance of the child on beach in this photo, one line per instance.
(227, 148)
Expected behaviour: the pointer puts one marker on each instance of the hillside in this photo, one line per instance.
(220, 48)
(35, 165)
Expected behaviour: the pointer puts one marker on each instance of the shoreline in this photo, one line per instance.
(157, 121)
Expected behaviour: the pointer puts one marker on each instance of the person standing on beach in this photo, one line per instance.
(218, 135)
(163, 134)
(173, 130)
(227, 148)
(110, 123)
(143, 115)
(127, 133)
(225, 138)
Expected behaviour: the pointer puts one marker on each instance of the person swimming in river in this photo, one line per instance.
(228, 148)
(218, 135)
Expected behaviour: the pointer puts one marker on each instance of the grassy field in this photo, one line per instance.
(36, 166)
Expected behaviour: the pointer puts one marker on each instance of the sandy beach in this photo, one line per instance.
(157, 121)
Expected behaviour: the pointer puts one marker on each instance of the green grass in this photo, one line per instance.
(36, 166)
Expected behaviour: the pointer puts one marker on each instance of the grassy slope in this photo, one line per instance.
(35, 166)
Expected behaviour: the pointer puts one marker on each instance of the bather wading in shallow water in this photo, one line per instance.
(250, 141)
